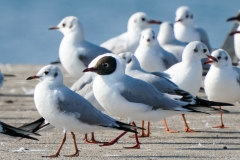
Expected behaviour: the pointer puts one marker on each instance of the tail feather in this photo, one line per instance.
(16, 132)
(33, 126)
(126, 127)
(203, 102)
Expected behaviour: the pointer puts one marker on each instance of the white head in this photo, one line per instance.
(224, 60)
(70, 25)
(139, 21)
(148, 37)
(107, 65)
(131, 61)
(51, 74)
(166, 33)
(184, 16)
(196, 50)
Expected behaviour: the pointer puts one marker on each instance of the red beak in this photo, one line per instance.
(154, 22)
(234, 32)
(208, 62)
(53, 28)
(90, 70)
(32, 77)
(212, 58)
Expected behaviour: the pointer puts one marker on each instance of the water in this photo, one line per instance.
(25, 38)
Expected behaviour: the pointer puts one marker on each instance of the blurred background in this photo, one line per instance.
(25, 38)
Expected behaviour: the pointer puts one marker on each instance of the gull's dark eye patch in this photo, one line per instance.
(226, 58)
(143, 19)
(63, 24)
(46, 72)
(153, 37)
(219, 57)
(204, 50)
(187, 16)
(56, 74)
(195, 50)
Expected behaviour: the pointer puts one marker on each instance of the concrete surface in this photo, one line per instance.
(17, 108)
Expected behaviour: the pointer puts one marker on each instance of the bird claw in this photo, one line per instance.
(221, 126)
(137, 146)
(76, 154)
(92, 141)
(171, 131)
(189, 130)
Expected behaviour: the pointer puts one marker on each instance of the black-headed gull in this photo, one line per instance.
(75, 52)
(128, 41)
(185, 30)
(64, 108)
(123, 96)
(222, 82)
(151, 56)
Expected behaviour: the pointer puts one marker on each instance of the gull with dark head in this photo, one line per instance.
(64, 108)
(75, 52)
(222, 82)
(126, 97)
(128, 41)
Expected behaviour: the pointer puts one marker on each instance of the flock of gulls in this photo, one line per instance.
(138, 75)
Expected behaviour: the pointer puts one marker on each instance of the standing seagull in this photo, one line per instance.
(134, 99)
(75, 52)
(188, 73)
(151, 56)
(185, 30)
(236, 36)
(128, 41)
(7, 130)
(168, 41)
(222, 82)
(64, 108)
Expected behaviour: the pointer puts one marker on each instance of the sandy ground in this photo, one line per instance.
(17, 108)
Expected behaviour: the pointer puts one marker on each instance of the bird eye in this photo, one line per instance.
(226, 58)
(187, 16)
(46, 72)
(219, 57)
(195, 50)
(63, 24)
(143, 19)
(204, 50)
(105, 65)
(153, 37)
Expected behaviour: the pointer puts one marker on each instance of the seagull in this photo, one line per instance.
(75, 52)
(10, 131)
(222, 82)
(236, 35)
(188, 73)
(151, 56)
(168, 41)
(64, 108)
(126, 97)
(185, 30)
(128, 41)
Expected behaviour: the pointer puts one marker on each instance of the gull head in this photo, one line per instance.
(69, 25)
(49, 73)
(107, 64)
(148, 37)
(131, 61)
(196, 50)
(184, 16)
(140, 21)
(223, 58)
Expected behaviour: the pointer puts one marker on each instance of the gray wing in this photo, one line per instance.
(204, 37)
(73, 104)
(228, 44)
(89, 51)
(161, 74)
(85, 80)
(138, 91)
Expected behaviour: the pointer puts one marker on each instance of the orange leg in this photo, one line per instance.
(137, 145)
(92, 141)
(142, 135)
(76, 154)
(114, 140)
(59, 149)
(187, 129)
(167, 129)
(222, 125)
